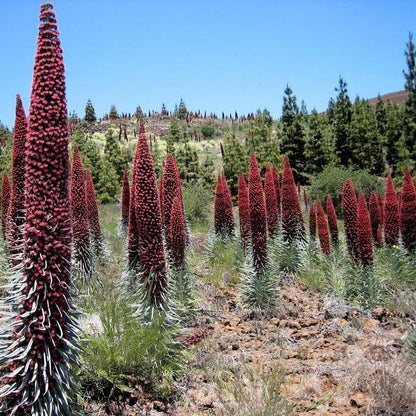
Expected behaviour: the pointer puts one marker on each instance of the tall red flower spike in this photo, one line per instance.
(16, 215)
(258, 216)
(349, 211)
(322, 228)
(5, 202)
(292, 219)
(97, 240)
(391, 214)
(312, 221)
(170, 187)
(243, 210)
(125, 203)
(223, 209)
(381, 206)
(277, 188)
(365, 235)
(408, 213)
(375, 215)
(177, 234)
(332, 220)
(39, 360)
(80, 223)
(271, 202)
(149, 225)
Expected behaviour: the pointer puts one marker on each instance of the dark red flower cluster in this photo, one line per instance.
(375, 216)
(271, 202)
(16, 215)
(408, 213)
(364, 232)
(312, 221)
(277, 188)
(223, 209)
(349, 211)
(5, 202)
(149, 224)
(170, 188)
(292, 219)
(391, 214)
(125, 203)
(80, 223)
(97, 240)
(243, 210)
(322, 228)
(332, 220)
(177, 234)
(258, 216)
(43, 329)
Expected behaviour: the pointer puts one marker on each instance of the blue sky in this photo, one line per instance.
(217, 55)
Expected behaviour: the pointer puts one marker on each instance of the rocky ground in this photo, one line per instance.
(313, 356)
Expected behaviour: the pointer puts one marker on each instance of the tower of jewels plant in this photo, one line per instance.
(332, 220)
(408, 213)
(244, 211)
(391, 214)
(349, 212)
(271, 202)
(322, 228)
(364, 232)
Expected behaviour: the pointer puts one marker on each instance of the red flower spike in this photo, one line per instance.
(93, 218)
(177, 234)
(277, 188)
(292, 219)
(223, 209)
(375, 215)
(43, 329)
(125, 202)
(312, 221)
(365, 235)
(80, 223)
(5, 202)
(271, 202)
(332, 220)
(391, 214)
(408, 213)
(381, 207)
(170, 188)
(349, 211)
(258, 216)
(149, 223)
(16, 213)
(243, 210)
(322, 228)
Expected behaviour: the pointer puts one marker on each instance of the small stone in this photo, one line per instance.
(358, 400)
(235, 347)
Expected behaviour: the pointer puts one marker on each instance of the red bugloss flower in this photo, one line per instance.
(277, 188)
(391, 214)
(312, 221)
(322, 228)
(271, 202)
(177, 234)
(5, 202)
(332, 220)
(408, 213)
(243, 210)
(349, 211)
(365, 235)
(223, 209)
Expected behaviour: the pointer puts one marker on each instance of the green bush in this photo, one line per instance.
(331, 179)
(208, 132)
(198, 203)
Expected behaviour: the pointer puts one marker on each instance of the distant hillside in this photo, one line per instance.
(398, 97)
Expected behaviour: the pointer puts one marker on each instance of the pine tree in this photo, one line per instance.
(188, 163)
(108, 183)
(182, 110)
(341, 124)
(114, 155)
(113, 113)
(39, 358)
(90, 112)
(394, 146)
(293, 135)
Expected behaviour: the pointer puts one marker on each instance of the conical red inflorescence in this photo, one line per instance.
(170, 188)
(177, 234)
(271, 202)
(223, 209)
(258, 216)
(312, 221)
(43, 342)
(277, 188)
(322, 228)
(97, 240)
(292, 219)
(243, 210)
(349, 211)
(365, 235)
(149, 225)
(5, 202)
(381, 207)
(408, 213)
(16, 215)
(391, 214)
(375, 215)
(125, 202)
(332, 220)
(79, 210)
